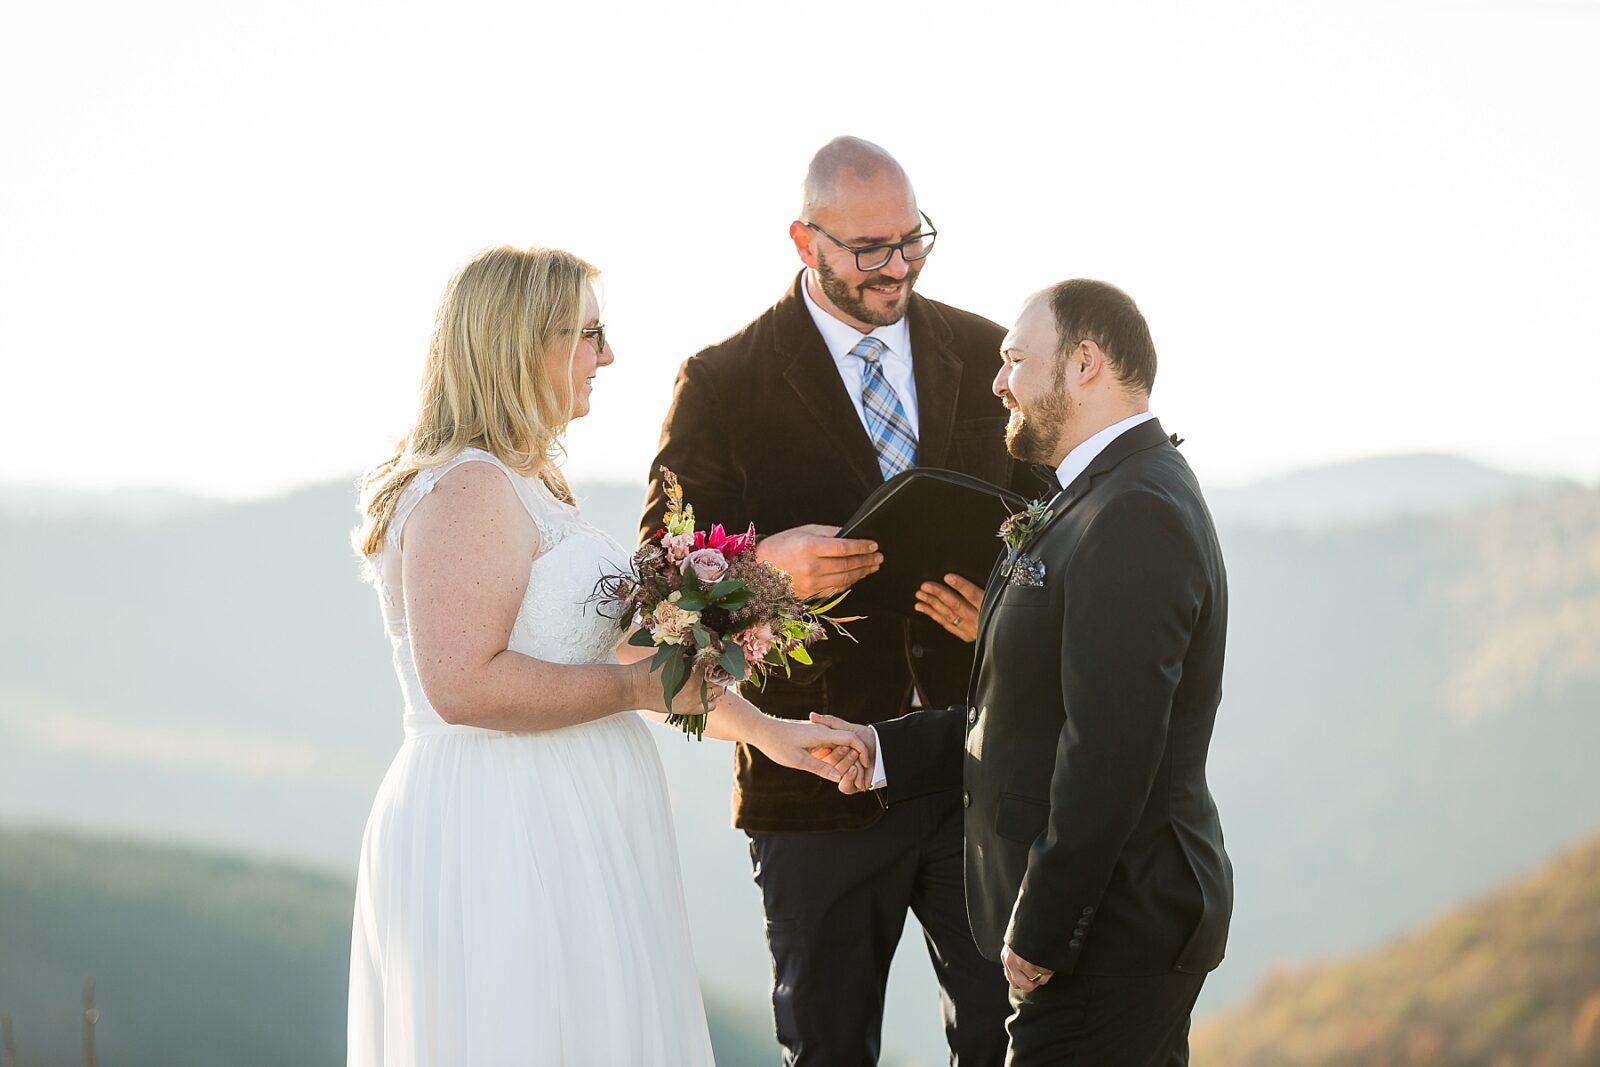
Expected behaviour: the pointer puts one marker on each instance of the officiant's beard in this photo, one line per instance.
(851, 299)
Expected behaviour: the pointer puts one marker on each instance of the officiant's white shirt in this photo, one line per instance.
(1076, 463)
(841, 337)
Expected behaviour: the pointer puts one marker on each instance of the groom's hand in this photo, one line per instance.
(954, 605)
(817, 561)
(1022, 974)
(858, 778)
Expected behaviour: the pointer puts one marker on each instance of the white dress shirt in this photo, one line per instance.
(841, 337)
(1076, 463)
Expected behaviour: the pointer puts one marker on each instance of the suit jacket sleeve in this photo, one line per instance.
(922, 752)
(1134, 590)
(696, 446)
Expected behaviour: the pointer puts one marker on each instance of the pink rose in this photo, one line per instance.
(678, 546)
(708, 564)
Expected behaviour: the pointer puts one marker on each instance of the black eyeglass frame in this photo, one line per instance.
(929, 235)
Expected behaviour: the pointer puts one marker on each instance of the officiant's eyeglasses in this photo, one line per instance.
(596, 333)
(876, 257)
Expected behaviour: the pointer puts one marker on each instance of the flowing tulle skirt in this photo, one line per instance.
(519, 902)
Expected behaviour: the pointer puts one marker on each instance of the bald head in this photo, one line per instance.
(844, 166)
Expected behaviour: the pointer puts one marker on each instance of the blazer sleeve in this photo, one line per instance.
(697, 447)
(1135, 589)
(923, 752)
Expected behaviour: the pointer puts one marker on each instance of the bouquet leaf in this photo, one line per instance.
(733, 661)
(674, 673)
(641, 638)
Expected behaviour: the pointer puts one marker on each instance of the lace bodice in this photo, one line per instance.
(558, 620)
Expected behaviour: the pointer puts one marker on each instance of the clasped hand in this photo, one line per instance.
(854, 761)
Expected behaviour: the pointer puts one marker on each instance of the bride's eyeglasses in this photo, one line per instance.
(595, 333)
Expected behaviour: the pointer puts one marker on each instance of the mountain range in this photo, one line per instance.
(1409, 714)
(1510, 978)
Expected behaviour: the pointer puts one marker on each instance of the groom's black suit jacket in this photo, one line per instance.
(762, 430)
(1092, 842)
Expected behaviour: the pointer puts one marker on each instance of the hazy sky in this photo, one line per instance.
(1355, 228)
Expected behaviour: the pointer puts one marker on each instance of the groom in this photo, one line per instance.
(1094, 862)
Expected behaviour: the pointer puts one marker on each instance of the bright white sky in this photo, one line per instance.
(1355, 228)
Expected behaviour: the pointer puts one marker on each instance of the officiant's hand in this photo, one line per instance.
(817, 561)
(953, 605)
(858, 779)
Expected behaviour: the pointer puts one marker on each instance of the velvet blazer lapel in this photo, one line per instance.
(814, 377)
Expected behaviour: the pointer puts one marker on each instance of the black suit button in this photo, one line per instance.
(1088, 911)
(966, 799)
(916, 651)
(1075, 943)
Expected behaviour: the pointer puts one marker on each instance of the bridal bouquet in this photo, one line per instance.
(701, 599)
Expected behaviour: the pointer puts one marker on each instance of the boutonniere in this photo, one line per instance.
(1020, 526)
(1175, 439)
(1018, 531)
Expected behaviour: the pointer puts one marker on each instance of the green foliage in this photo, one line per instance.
(199, 960)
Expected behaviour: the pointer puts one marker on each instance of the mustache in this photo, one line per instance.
(884, 279)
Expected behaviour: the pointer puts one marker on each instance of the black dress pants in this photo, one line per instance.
(835, 906)
(1093, 1020)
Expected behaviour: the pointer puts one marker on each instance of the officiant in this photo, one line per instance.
(791, 423)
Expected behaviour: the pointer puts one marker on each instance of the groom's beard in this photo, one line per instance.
(851, 299)
(1032, 436)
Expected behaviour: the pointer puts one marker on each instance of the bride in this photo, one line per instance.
(518, 899)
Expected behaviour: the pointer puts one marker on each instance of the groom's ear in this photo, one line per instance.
(1087, 361)
(802, 235)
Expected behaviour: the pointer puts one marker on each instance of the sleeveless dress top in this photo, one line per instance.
(519, 899)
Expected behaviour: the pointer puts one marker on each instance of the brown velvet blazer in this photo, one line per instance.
(761, 430)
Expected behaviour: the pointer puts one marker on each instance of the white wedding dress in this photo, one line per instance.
(519, 899)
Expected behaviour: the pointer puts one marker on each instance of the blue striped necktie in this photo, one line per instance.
(887, 424)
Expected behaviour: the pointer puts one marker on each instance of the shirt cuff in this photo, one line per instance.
(878, 779)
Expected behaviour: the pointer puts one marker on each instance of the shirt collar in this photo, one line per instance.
(1079, 458)
(841, 337)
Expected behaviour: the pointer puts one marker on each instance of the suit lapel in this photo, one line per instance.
(1145, 435)
(936, 368)
(814, 377)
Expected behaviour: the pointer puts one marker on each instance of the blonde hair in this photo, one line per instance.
(487, 383)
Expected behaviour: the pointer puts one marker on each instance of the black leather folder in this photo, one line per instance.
(927, 523)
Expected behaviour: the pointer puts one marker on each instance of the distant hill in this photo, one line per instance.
(1342, 494)
(1374, 490)
(1409, 713)
(1513, 978)
(198, 958)
(132, 505)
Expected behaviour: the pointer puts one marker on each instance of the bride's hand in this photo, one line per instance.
(807, 746)
(647, 686)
